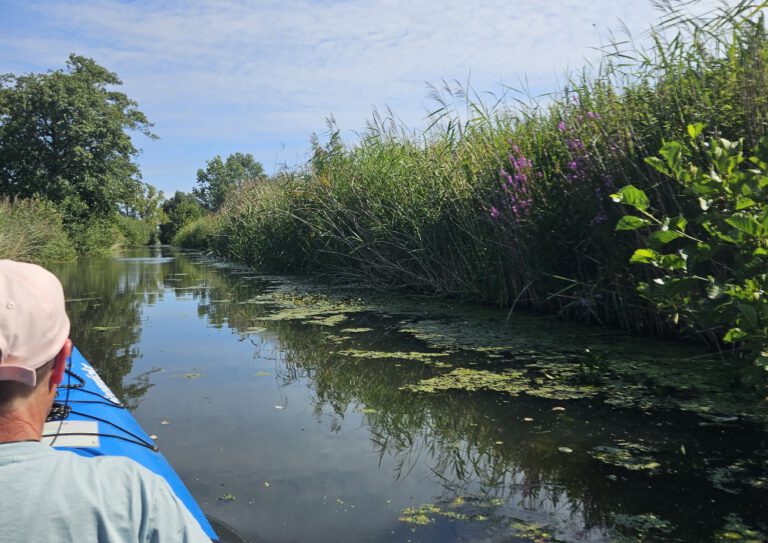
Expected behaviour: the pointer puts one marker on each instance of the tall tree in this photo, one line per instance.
(180, 210)
(64, 136)
(220, 177)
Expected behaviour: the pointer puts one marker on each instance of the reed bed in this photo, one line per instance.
(32, 231)
(509, 203)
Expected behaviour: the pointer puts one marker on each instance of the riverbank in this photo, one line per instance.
(512, 206)
(33, 230)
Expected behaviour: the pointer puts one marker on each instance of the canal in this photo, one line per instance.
(299, 412)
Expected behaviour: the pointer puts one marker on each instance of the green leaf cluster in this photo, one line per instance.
(711, 258)
(64, 136)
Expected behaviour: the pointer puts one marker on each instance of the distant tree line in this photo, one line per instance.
(65, 140)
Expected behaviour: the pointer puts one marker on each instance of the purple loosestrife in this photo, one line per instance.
(515, 182)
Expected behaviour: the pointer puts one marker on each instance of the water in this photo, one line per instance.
(286, 409)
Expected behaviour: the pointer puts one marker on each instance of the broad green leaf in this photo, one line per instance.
(644, 256)
(632, 196)
(657, 164)
(713, 291)
(750, 313)
(742, 202)
(734, 334)
(744, 223)
(663, 237)
(695, 130)
(671, 262)
(681, 223)
(672, 152)
(630, 222)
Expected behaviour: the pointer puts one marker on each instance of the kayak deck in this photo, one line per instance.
(90, 420)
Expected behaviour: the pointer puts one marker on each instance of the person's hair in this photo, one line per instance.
(11, 391)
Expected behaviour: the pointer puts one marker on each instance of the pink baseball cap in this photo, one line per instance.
(33, 322)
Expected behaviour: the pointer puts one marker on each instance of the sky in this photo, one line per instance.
(261, 76)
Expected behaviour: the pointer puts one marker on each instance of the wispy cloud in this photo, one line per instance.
(260, 76)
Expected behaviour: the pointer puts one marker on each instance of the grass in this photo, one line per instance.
(32, 231)
(508, 203)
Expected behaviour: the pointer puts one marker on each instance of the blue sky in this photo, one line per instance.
(260, 76)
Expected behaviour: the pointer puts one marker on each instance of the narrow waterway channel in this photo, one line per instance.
(298, 413)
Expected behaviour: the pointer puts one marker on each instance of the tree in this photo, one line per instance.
(63, 136)
(179, 210)
(220, 177)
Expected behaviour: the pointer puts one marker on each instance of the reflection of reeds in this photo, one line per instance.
(508, 202)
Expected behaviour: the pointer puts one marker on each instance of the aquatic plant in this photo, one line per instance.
(709, 259)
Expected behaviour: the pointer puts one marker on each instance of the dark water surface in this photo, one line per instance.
(298, 414)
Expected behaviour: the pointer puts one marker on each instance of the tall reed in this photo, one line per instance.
(32, 231)
(508, 202)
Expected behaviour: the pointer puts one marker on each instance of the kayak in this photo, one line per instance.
(88, 419)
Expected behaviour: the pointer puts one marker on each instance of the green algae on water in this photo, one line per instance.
(399, 355)
(627, 455)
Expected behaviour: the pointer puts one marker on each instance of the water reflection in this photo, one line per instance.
(452, 465)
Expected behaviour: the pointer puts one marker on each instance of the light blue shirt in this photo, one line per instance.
(49, 495)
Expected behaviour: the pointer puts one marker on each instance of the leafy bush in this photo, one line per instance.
(97, 237)
(135, 232)
(179, 210)
(709, 258)
(202, 233)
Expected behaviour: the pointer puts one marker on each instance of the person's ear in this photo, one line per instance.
(60, 363)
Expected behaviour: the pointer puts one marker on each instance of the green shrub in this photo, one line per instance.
(710, 259)
(179, 210)
(97, 237)
(135, 232)
(202, 233)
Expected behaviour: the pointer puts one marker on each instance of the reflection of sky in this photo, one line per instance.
(226, 435)
(231, 428)
(218, 77)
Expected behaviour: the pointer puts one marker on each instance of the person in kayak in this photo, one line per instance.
(51, 495)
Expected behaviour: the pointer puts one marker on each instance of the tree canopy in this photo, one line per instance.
(220, 177)
(64, 135)
(180, 210)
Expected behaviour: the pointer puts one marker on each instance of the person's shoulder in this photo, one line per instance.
(111, 470)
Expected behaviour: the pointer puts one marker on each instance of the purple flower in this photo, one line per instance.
(573, 165)
(593, 115)
(494, 213)
(561, 126)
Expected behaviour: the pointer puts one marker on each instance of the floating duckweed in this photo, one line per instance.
(333, 320)
(426, 513)
(530, 531)
(731, 478)
(191, 375)
(627, 455)
(355, 330)
(510, 381)
(640, 527)
(400, 355)
(736, 530)
(263, 373)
